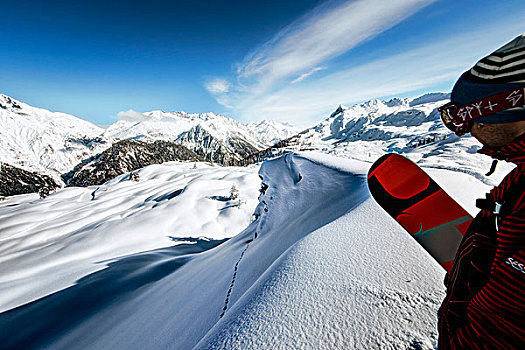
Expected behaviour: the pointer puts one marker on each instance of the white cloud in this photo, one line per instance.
(307, 74)
(218, 86)
(131, 115)
(328, 31)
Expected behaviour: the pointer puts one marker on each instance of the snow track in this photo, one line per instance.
(236, 268)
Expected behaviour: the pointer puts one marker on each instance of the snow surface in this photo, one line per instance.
(48, 244)
(321, 267)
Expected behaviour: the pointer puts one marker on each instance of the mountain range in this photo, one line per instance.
(409, 126)
(74, 152)
(61, 145)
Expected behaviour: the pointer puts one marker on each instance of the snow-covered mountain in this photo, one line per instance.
(271, 132)
(160, 125)
(36, 139)
(53, 143)
(407, 126)
(214, 137)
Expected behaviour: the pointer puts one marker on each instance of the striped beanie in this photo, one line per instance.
(502, 70)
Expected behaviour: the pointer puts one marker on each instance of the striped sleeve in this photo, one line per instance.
(496, 314)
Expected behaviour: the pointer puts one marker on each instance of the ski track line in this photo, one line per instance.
(227, 301)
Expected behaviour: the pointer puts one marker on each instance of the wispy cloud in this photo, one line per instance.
(410, 71)
(306, 75)
(218, 86)
(271, 82)
(328, 31)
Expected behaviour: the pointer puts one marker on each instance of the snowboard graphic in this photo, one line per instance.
(420, 205)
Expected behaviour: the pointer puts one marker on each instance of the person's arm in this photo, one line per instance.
(496, 314)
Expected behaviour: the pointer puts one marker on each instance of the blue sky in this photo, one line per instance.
(292, 61)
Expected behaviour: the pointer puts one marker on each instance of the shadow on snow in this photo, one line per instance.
(38, 323)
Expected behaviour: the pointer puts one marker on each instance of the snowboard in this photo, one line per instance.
(419, 205)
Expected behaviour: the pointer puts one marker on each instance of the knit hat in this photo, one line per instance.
(502, 70)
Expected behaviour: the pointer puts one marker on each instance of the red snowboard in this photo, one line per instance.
(417, 202)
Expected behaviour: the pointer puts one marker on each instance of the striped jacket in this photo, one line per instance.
(485, 303)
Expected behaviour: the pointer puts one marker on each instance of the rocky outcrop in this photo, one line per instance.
(230, 152)
(8, 103)
(241, 147)
(14, 181)
(125, 156)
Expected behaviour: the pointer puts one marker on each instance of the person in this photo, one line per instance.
(484, 307)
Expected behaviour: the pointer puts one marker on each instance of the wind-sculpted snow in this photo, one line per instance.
(358, 282)
(47, 244)
(38, 323)
(346, 286)
(321, 266)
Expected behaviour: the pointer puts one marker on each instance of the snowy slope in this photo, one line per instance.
(321, 267)
(38, 140)
(46, 245)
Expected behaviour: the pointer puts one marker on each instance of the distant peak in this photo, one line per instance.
(396, 101)
(7, 102)
(339, 110)
(430, 97)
